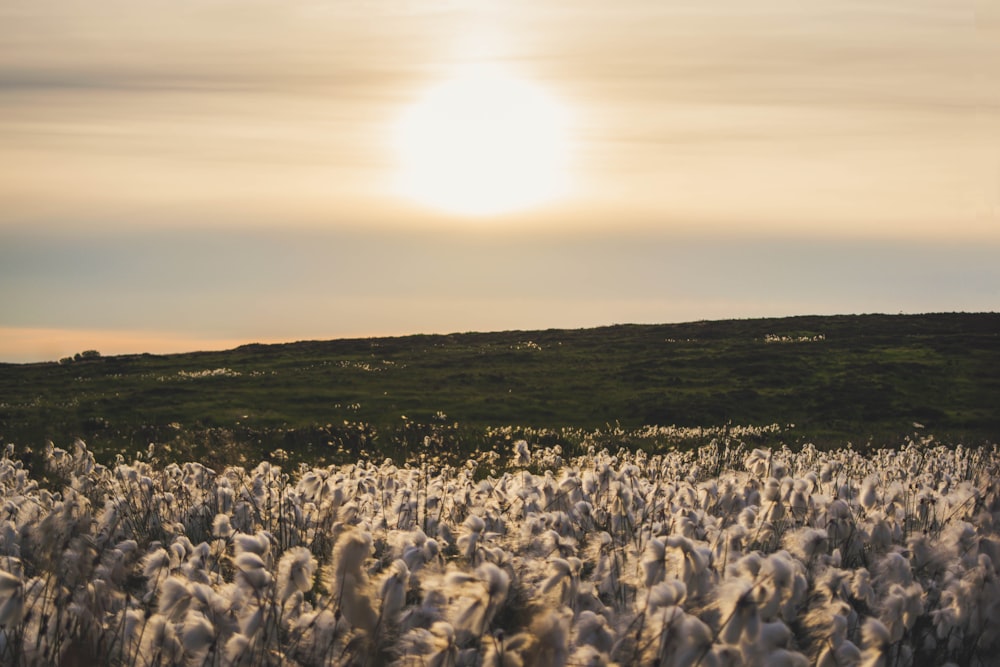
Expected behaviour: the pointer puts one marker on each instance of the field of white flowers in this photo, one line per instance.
(720, 556)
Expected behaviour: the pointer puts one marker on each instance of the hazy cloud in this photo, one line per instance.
(231, 284)
(733, 158)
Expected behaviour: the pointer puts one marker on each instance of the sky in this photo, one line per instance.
(187, 175)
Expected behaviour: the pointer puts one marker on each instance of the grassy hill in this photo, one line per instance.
(835, 378)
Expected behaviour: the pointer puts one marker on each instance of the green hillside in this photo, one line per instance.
(835, 378)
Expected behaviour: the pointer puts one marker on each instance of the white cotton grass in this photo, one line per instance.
(252, 571)
(11, 599)
(806, 543)
(479, 596)
(592, 630)
(174, 597)
(711, 557)
(470, 539)
(259, 544)
(295, 572)
(653, 562)
(869, 494)
(522, 454)
(197, 635)
(739, 612)
(393, 589)
(876, 642)
(221, 527)
(564, 580)
(428, 647)
(349, 584)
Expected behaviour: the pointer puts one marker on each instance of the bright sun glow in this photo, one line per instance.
(483, 143)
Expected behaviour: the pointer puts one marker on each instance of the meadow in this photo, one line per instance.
(827, 493)
(824, 380)
(721, 555)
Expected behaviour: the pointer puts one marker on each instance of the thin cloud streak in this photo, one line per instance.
(774, 113)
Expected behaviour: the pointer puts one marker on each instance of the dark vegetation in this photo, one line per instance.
(836, 379)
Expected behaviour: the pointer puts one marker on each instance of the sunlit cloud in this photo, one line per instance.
(771, 127)
(782, 116)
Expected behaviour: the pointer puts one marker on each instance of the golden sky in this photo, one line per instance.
(127, 125)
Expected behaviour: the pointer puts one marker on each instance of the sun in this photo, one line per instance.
(483, 143)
